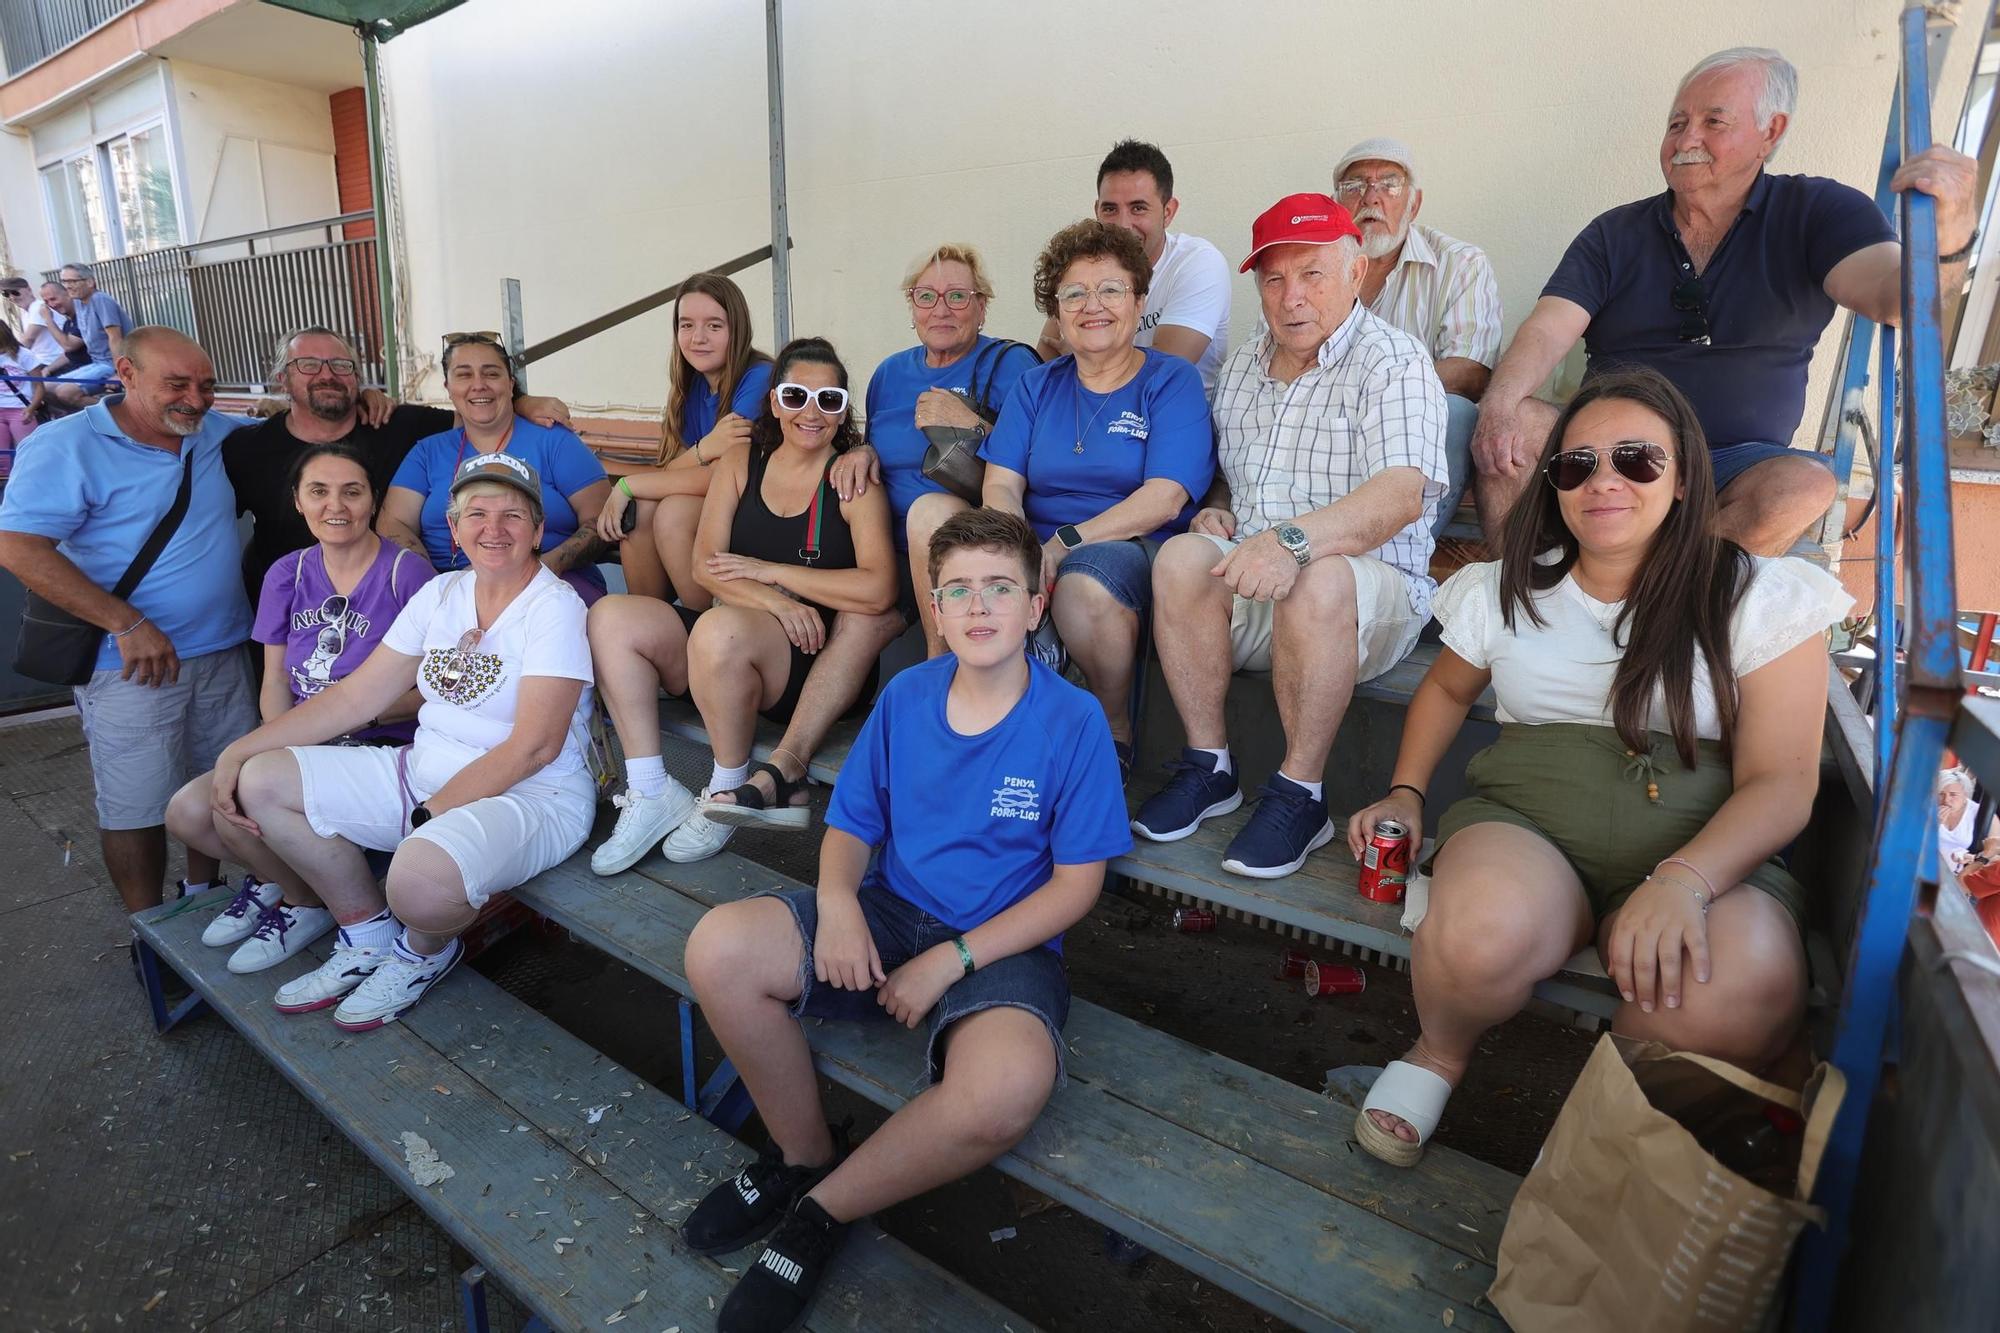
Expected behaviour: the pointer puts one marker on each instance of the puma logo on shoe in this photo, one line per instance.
(746, 1191)
(785, 1268)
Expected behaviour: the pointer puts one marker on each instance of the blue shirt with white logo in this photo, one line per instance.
(967, 826)
(1083, 452)
(699, 414)
(892, 410)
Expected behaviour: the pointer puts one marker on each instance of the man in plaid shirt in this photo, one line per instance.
(1310, 558)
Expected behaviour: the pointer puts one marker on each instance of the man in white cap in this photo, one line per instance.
(1436, 288)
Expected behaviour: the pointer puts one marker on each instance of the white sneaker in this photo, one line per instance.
(393, 989)
(697, 839)
(350, 965)
(233, 924)
(281, 931)
(642, 821)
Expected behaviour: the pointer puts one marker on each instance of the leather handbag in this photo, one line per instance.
(952, 457)
(61, 649)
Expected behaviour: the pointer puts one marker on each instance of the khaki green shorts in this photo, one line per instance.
(1579, 789)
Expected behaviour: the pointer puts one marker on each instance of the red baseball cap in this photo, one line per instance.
(1300, 219)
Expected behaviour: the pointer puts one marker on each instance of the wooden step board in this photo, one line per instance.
(1245, 1180)
(504, 1097)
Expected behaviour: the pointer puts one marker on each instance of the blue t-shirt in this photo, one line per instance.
(92, 317)
(699, 415)
(565, 463)
(967, 826)
(892, 410)
(1765, 297)
(98, 494)
(1156, 425)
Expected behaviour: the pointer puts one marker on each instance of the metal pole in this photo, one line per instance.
(781, 234)
(510, 306)
(378, 183)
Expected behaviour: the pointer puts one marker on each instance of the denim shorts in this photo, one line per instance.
(1734, 460)
(1124, 568)
(1035, 980)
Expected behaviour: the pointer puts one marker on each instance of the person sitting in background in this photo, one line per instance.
(320, 613)
(1312, 557)
(480, 376)
(1105, 451)
(493, 790)
(102, 324)
(955, 376)
(56, 313)
(36, 326)
(1661, 696)
(20, 397)
(716, 388)
(1434, 287)
(1957, 816)
(969, 829)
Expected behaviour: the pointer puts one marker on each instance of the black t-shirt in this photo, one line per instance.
(259, 461)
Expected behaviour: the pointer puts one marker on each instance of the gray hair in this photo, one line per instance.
(1780, 93)
(1955, 777)
(81, 270)
(283, 352)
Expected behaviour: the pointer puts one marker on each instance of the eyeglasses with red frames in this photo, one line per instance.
(1640, 461)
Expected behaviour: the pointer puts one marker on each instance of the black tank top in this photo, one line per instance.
(818, 538)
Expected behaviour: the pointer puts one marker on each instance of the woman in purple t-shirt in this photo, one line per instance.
(322, 610)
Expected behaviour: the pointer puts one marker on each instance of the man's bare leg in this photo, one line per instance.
(136, 860)
(1771, 504)
(1313, 664)
(1191, 636)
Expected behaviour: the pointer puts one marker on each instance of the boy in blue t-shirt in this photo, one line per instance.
(989, 787)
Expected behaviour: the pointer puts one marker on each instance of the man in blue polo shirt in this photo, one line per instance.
(1723, 284)
(172, 685)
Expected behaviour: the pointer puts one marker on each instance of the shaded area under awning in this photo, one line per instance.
(380, 19)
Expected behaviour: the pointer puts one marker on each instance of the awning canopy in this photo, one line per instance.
(380, 19)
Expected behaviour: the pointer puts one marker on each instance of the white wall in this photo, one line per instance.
(599, 152)
(30, 249)
(253, 153)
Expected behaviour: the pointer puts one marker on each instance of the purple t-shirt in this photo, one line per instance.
(327, 635)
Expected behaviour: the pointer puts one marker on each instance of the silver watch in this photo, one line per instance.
(1293, 538)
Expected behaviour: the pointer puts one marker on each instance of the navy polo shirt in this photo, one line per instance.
(1765, 296)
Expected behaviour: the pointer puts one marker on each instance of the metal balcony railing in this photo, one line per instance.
(33, 30)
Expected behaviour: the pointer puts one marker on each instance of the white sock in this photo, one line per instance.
(646, 776)
(377, 932)
(1222, 764)
(409, 955)
(727, 779)
(190, 888)
(1312, 787)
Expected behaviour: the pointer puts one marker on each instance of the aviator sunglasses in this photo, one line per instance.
(794, 397)
(1639, 461)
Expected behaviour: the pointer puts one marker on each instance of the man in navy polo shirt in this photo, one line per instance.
(1723, 284)
(172, 685)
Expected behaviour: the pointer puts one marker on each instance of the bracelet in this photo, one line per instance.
(699, 460)
(1404, 786)
(625, 485)
(1699, 896)
(121, 633)
(1963, 252)
(964, 953)
(1706, 882)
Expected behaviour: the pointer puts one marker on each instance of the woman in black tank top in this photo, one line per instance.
(786, 560)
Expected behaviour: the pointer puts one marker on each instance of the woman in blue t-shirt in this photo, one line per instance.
(479, 375)
(715, 391)
(951, 375)
(1106, 452)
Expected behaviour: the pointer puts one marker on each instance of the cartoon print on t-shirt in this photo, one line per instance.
(336, 620)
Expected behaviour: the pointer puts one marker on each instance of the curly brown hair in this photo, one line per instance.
(1089, 239)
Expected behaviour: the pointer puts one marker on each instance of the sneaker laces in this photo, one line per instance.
(245, 899)
(272, 922)
(1185, 777)
(1291, 807)
(805, 1241)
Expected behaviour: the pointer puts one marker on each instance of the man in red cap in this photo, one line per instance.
(1310, 558)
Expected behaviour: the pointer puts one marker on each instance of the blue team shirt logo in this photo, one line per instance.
(1128, 423)
(1017, 798)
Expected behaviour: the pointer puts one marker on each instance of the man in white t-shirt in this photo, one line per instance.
(1187, 308)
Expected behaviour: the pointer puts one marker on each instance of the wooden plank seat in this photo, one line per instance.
(1245, 1180)
(505, 1097)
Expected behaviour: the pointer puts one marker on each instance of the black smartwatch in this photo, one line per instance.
(419, 817)
(1069, 536)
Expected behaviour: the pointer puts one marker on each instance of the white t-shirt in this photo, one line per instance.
(1956, 839)
(13, 393)
(1561, 671)
(36, 339)
(539, 634)
(1190, 289)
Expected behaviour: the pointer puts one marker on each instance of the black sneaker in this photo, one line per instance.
(745, 1207)
(775, 1294)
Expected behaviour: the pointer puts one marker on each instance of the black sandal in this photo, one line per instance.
(750, 809)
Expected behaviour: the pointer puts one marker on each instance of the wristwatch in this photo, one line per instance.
(1293, 538)
(419, 817)
(1069, 536)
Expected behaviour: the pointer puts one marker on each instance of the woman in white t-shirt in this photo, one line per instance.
(1956, 819)
(493, 791)
(1661, 695)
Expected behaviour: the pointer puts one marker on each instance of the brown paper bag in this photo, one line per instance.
(1628, 1224)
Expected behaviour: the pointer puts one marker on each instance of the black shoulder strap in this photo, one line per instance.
(989, 359)
(163, 531)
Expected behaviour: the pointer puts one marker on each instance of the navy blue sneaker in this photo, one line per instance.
(1194, 793)
(1284, 829)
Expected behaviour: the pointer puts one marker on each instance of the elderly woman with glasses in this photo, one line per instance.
(955, 377)
(479, 374)
(1661, 695)
(492, 791)
(1107, 452)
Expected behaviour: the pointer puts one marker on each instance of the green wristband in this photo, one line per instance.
(625, 485)
(964, 953)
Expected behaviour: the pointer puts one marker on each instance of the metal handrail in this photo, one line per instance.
(630, 310)
(364, 215)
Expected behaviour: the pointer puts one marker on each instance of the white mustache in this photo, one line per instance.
(1693, 157)
(1370, 215)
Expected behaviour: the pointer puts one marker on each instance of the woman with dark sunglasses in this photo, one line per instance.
(1661, 697)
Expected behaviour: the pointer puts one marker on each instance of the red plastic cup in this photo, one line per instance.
(1293, 963)
(1334, 979)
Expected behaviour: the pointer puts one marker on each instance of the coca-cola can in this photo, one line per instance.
(1193, 920)
(1385, 863)
(1293, 963)
(1334, 979)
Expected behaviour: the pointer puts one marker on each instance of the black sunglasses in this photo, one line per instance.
(1639, 461)
(1691, 301)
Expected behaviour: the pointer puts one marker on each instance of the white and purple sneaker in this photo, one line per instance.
(394, 988)
(281, 931)
(233, 924)
(325, 985)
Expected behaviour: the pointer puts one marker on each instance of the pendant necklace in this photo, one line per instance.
(1081, 424)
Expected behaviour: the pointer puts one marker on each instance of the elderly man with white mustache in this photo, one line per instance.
(1436, 288)
(1723, 283)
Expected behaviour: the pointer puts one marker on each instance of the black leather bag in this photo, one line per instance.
(55, 646)
(952, 457)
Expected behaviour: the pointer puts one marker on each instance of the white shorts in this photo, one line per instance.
(357, 793)
(1386, 628)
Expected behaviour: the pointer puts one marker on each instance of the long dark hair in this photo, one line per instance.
(1686, 588)
(765, 433)
(296, 476)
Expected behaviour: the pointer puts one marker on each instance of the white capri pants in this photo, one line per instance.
(356, 793)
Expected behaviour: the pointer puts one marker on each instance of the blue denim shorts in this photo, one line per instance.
(1125, 569)
(1035, 980)
(1734, 460)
